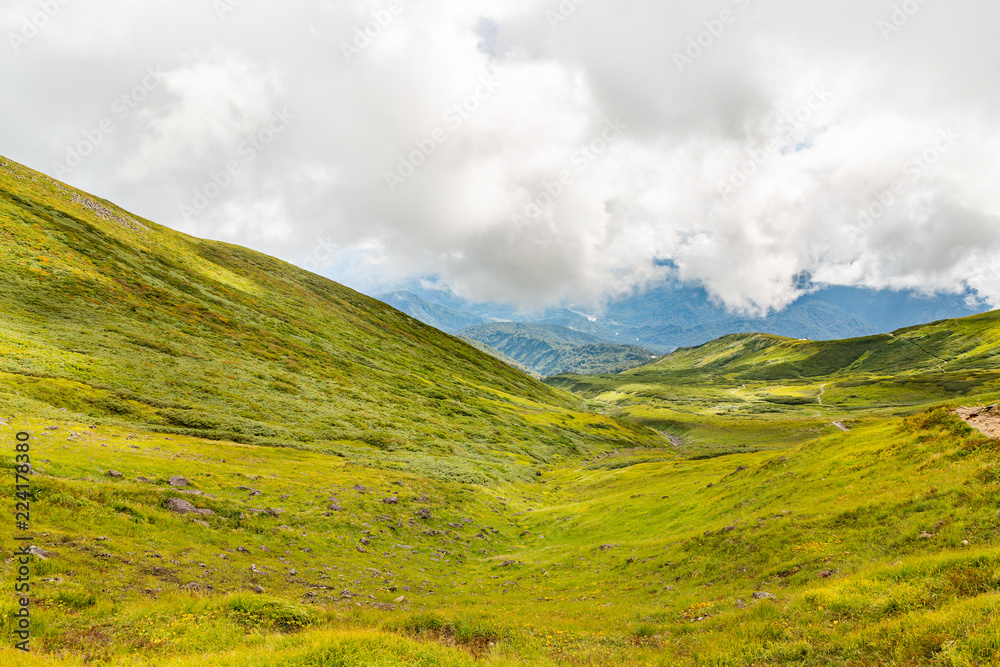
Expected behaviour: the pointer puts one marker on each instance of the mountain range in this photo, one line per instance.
(675, 315)
(225, 460)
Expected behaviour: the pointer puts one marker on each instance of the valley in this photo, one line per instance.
(236, 462)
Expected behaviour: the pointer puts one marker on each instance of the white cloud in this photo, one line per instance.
(749, 103)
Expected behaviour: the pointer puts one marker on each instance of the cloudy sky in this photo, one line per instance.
(535, 151)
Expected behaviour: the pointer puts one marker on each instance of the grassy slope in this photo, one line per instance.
(129, 322)
(611, 557)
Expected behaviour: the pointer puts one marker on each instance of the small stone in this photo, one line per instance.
(825, 574)
(115, 474)
(401, 598)
(193, 586)
(292, 572)
(203, 524)
(764, 596)
(177, 480)
(424, 513)
(39, 553)
(257, 589)
(184, 507)
(392, 500)
(253, 568)
(51, 428)
(360, 489)
(965, 543)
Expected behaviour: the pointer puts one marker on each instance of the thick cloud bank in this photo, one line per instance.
(534, 151)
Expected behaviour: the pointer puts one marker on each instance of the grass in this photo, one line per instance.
(702, 510)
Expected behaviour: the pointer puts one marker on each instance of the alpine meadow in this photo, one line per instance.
(236, 462)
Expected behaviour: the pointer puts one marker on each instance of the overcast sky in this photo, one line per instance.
(535, 151)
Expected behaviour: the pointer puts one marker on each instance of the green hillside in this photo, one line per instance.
(550, 349)
(112, 318)
(362, 490)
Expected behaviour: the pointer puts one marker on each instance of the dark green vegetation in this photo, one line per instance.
(415, 502)
(549, 349)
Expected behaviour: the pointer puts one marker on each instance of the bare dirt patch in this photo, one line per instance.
(986, 420)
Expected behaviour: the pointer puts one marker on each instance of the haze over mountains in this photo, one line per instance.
(676, 315)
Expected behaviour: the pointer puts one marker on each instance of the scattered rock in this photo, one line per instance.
(243, 550)
(335, 507)
(292, 572)
(825, 574)
(115, 474)
(392, 500)
(203, 524)
(360, 489)
(400, 599)
(257, 589)
(764, 596)
(193, 586)
(965, 543)
(40, 553)
(924, 535)
(253, 568)
(740, 604)
(184, 507)
(51, 428)
(362, 549)
(424, 513)
(144, 480)
(177, 480)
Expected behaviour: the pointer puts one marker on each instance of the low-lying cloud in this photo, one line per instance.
(537, 151)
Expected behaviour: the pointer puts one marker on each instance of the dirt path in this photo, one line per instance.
(841, 426)
(986, 420)
(822, 390)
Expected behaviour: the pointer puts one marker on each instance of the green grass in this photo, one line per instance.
(630, 524)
